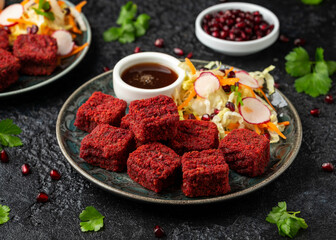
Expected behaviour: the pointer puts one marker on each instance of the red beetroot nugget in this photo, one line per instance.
(154, 166)
(9, 67)
(100, 108)
(194, 135)
(4, 43)
(152, 119)
(107, 147)
(37, 53)
(205, 173)
(246, 152)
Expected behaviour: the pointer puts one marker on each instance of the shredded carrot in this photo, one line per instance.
(185, 103)
(80, 5)
(256, 129)
(227, 81)
(190, 65)
(72, 22)
(266, 98)
(20, 21)
(286, 123)
(60, 3)
(249, 88)
(226, 132)
(232, 126)
(275, 129)
(36, 1)
(227, 71)
(197, 118)
(24, 2)
(263, 125)
(76, 50)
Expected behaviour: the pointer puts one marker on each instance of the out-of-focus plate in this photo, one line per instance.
(69, 139)
(29, 83)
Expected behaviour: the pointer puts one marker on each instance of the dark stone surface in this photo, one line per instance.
(304, 186)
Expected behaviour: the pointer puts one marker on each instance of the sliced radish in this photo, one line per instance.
(254, 111)
(205, 84)
(64, 40)
(246, 79)
(78, 18)
(13, 11)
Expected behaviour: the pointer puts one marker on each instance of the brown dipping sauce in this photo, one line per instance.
(149, 76)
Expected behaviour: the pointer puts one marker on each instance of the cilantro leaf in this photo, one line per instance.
(112, 34)
(141, 24)
(4, 212)
(288, 224)
(311, 2)
(127, 37)
(48, 15)
(331, 67)
(313, 84)
(298, 63)
(127, 12)
(91, 219)
(7, 130)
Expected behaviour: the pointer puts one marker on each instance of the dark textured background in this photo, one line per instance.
(304, 186)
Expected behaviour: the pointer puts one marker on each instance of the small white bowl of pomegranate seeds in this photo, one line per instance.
(237, 28)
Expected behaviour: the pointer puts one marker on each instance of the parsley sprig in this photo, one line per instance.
(288, 223)
(129, 29)
(238, 94)
(4, 213)
(314, 75)
(91, 219)
(7, 131)
(44, 10)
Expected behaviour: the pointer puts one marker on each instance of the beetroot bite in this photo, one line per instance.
(4, 43)
(205, 173)
(154, 166)
(107, 147)
(100, 108)
(9, 67)
(246, 152)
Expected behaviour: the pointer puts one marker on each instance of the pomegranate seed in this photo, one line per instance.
(206, 117)
(178, 51)
(257, 19)
(230, 106)
(315, 112)
(7, 30)
(227, 88)
(283, 38)
(158, 231)
(55, 175)
(25, 169)
(267, 135)
(327, 167)
(191, 116)
(263, 26)
(240, 25)
(159, 43)
(42, 197)
(216, 111)
(329, 99)
(299, 42)
(215, 34)
(137, 50)
(3, 156)
(276, 85)
(231, 74)
(190, 55)
(106, 69)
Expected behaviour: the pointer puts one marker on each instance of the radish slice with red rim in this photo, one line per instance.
(64, 40)
(206, 84)
(13, 11)
(254, 111)
(246, 79)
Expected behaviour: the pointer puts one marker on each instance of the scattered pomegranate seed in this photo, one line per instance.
(178, 51)
(216, 111)
(299, 42)
(7, 30)
(25, 169)
(159, 43)
(158, 231)
(276, 85)
(315, 112)
(106, 69)
(329, 99)
(33, 29)
(206, 117)
(3, 156)
(227, 88)
(191, 116)
(327, 167)
(283, 38)
(267, 135)
(190, 55)
(230, 106)
(42, 197)
(137, 50)
(231, 74)
(55, 175)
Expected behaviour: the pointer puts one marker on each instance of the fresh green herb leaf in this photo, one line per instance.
(4, 212)
(237, 94)
(141, 24)
(91, 219)
(112, 34)
(288, 224)
(127, 12)
(298, 63)
(7, 130)
(331, 67)
(48, 15)
(311, 2)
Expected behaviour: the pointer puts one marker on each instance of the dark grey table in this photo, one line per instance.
(304, 186)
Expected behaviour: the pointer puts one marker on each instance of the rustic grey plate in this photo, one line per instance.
(29, 83)
(69, 139)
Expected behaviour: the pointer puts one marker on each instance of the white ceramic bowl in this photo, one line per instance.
(233, 48)
(129, 93)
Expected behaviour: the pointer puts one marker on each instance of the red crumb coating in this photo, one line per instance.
(205, 173)
(194, 135)
(246, 152)
(152, 119)
(9, 67)
(100, 108)
(4, 43)
(107, 147)
(37, 53)
(154, 166)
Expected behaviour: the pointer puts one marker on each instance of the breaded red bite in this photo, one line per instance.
(37, 53)
(205, 173)
(9, 67)
(107, 147)
(154, 166)
(152, 119)
(100, 108)
(194, 135)
(4, 43)
(246, 152)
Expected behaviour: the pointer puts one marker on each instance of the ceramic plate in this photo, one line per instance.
(69, 139)
(28, 83)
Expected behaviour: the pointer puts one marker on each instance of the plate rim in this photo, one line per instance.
(132, 196)
(65, 71)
